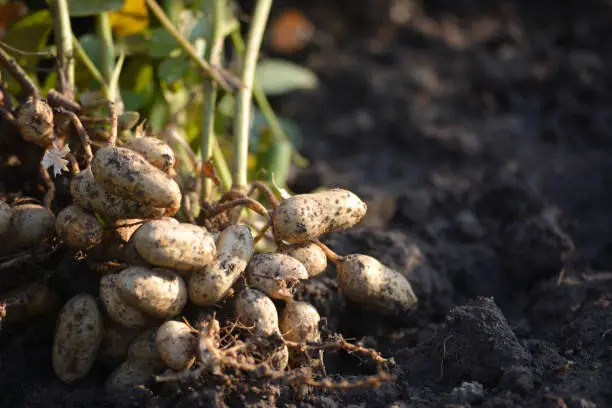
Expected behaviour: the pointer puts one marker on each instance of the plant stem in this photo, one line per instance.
(242, 120)
(19, 74)
(107, 52)
(215, 73)
(63, 42)
(264, 105)
(213, 55)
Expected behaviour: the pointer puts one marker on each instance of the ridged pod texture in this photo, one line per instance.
(154, 150)
(78, 335)
(275, 274)
(300, 322)
(176, 344)
(30, 225)
(126, 173)
(304, 217)
(77, 228)
(180, 246)
(35, 122)
(88, 194)
(158, 292)
(254, 308)
(234, 250)
(310, 255)
(117, 308)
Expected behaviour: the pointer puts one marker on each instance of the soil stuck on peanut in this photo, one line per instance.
(480, 136)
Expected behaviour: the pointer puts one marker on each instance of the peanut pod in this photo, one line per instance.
(304, 217)
(365, 280)
(176, 344)
(234, 250)
(257, 311)
(77, 228)
(309, 254)
(275, 274)
(172, 245)
(117, 308)
(127, 174)
(77, 338)
(299, 322)
(154, 150)
(158, 292)
(30, 225)
(91, 196)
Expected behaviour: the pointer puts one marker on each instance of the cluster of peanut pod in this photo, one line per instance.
(123, 208)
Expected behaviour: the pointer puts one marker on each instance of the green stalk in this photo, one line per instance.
(213, 55)
(266, 109)
(221, 165)
(107, 52)
(63, 42)
(242, 120)
(91, 67)
(186, 45)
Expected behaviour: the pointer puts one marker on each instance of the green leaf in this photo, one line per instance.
(173, 69)
(137, 83)
(91, 45)
(30, 34)
(137, 44)
(277, 77)
(200, 29)
(158, 114)
(161, 44)
(276, 160)
(84, 8)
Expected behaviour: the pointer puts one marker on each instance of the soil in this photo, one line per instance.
(479, 133)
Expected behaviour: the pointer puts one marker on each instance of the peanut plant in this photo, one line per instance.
(166, 224)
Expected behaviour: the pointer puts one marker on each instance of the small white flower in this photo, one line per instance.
(55, 157)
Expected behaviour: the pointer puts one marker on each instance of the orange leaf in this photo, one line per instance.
(10, 12)
(290, 31)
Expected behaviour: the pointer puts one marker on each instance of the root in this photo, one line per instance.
(57, 100)
(50, 194)
(262, 232)
(74, 165)
(266, 191)
(331, 255)
(339, 343)
(221, 358)
(245, 201)
(21, 258)
(80, 131)
(114, 123)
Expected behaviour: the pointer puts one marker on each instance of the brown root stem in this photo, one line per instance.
(245, 201)
(266, 191)
(57, 100)
(331, 255)
(262, 232)
(19, 74)
(80, 131)
(50, 194)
